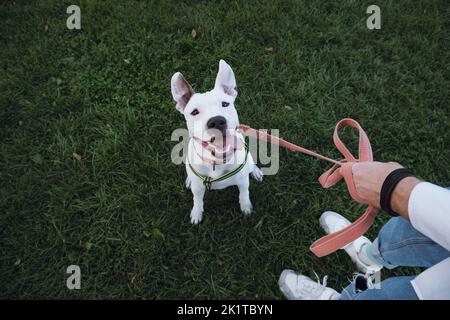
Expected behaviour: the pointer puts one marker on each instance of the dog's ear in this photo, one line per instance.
(225, 80)
(181, 91)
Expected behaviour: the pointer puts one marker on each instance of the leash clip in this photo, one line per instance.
(207, 183)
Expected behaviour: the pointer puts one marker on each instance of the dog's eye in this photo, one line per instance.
(195, 112)
(225, 104)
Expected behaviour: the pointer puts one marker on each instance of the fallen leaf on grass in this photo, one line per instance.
(37, 158)
(76, 156)
(268, 49)
(158, 234)
(259, 224)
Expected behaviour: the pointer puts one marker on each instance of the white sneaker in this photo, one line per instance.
(298, 287)
(333, 222)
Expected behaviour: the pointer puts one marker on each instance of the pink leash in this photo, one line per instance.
(341, 169)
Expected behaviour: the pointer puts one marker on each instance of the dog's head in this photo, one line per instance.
(211, 116)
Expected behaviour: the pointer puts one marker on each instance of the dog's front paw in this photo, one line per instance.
(188, 183)
(246, 207)
(196, 216)
(257, 174)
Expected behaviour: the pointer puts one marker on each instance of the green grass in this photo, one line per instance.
(122, 212)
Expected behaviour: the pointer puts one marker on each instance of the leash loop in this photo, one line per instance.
(341, 169)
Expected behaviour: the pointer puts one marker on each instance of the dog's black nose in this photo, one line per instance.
(218, 123)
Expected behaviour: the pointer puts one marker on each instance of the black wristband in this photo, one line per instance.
(388, 187)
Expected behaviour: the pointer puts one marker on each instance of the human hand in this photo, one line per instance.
(369, 177)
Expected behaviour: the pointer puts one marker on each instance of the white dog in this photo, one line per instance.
(217, 155)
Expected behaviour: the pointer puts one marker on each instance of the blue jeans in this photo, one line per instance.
(398, 244)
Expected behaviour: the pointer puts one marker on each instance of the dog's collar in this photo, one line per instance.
(207, 181)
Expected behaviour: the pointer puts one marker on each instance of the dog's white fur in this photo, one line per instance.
(209, 104)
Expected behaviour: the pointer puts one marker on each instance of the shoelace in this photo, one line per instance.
(324, 280)
(369, 276)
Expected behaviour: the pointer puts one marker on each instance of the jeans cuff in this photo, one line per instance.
(374, 253)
